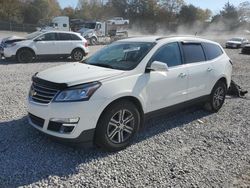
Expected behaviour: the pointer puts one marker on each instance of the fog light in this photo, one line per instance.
(66, 120)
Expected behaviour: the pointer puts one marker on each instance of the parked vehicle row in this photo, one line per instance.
(45, 44)
(106, 98)
(237, 42)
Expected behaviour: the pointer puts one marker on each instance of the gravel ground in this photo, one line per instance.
(190, 149)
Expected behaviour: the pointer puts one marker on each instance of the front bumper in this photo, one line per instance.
(8, 52)
(233, 45)
(41, 117)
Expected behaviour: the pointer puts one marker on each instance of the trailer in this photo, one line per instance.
(103, 32)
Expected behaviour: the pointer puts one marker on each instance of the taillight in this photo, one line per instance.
(86, 44)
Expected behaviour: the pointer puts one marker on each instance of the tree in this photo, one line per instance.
(190, 14)
(40, 10)
(229, 15)
(9, 10)
(244, 11)
(69, 11)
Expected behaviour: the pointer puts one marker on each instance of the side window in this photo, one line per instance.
(74, 37)
(64, 36)
(169, 54)
(65, 25)
(48, 37)
(212, 51)
(193, 53)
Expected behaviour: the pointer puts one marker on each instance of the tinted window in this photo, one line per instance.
(169, 54)
(48, 37)
(212, 51)
(75, 37)
(193, 53)
(64, 25)
(64, 36)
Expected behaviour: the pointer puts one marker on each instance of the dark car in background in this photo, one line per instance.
(246, 49)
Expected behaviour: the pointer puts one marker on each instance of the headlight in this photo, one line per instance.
(78, 93)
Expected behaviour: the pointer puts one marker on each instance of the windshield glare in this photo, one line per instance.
(33, 35)
(90, 25)
(122, 56)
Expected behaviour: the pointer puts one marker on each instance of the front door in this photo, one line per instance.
(168, 88)
(46, 44)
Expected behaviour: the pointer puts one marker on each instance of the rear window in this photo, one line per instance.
(193, 53)
(75, 37)
(212, 51)
(64, 36)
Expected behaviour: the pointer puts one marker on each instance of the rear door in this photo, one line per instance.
(167, 88)
(67, 42)
(199, 69)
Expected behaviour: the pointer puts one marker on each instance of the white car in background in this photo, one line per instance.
(118, 21)
(45, 43)
(237, 42)
(106, 98)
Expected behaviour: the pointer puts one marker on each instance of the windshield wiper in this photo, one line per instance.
(103, 65)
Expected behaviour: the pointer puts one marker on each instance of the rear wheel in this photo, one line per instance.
(25, 56)
(77, 54)
(117, 126)
(217, 97)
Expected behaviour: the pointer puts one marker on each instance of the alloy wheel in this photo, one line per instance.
(121, 126)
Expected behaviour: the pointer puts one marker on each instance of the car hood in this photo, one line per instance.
(233, 42)
(13, 39)
(77, 73)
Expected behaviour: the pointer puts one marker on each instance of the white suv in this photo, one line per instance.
(47, 43)
(106, 97)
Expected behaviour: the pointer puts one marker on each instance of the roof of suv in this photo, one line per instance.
(165, 39)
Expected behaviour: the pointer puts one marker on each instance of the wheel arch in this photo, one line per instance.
(80, 48)
(26, 48)
(132, 99)
(222, 79)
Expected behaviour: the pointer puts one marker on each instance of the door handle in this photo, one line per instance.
(182, 75)
(209, 69)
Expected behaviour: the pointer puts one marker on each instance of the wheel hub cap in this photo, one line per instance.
(120, 126)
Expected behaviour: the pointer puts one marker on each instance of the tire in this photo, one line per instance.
(112, 132)
(25, 56)
(93, 41)
(77, 54)
(217, 97)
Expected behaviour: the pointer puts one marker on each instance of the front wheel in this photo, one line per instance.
(117, 126)
(25, 56)
(217, 97)
(93, 41)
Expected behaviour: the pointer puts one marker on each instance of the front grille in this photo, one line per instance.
(42, 94)
(36, 120)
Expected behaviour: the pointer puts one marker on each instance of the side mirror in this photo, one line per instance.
(158, 66)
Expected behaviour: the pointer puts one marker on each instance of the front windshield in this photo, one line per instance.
(236, 39)
(33, 35)
(90, 25)
(121, 55)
